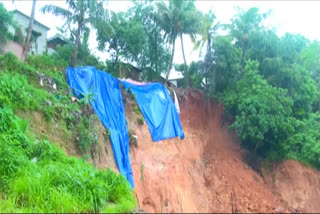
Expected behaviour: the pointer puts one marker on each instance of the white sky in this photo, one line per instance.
(287, 16)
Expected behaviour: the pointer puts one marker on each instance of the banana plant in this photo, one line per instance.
(86, 98)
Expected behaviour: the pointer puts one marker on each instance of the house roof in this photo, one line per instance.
(21, 13)
(174, 75)
(57, 37)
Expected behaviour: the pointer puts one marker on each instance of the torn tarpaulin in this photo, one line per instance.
(158, 110)
(108, 105)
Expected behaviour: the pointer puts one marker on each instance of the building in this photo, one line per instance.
(174, 76)
(126, 70)
(53, 42)
(38, 40)
(39, 32)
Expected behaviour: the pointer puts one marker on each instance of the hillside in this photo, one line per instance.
(206, 172)
(39, 121)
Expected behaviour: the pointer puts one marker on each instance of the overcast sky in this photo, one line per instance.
(287, 16)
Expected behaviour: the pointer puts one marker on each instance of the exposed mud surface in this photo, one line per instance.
(297, 184)
(202, 173)
(205, 172)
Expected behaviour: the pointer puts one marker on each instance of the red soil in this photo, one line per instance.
(202, 173)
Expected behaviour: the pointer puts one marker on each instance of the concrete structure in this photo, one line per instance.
(53, 42)
(14, 47)
(39, 33)
(174, 76)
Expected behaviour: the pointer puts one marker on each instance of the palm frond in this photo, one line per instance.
(56, 10)
(72, 4)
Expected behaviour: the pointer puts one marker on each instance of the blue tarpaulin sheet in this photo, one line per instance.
(108, 105)
(158, 110)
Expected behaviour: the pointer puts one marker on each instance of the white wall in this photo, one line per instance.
(23, 23)
(51, 51)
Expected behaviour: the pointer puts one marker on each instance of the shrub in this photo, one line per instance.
(10, 62)
(88, 133)
(46, 62)
(136, 109)
(140, 121)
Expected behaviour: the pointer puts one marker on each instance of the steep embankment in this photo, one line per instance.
(205, 172)
(202, 173)
(298, 185)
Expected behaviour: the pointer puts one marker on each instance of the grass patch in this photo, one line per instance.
(35, 175)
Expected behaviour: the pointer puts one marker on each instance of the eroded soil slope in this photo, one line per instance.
(202, 173)
(297, 184)
(205, 172)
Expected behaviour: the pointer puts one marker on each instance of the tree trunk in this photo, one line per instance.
(209, 61)
(26, 46)
(256, 147)
(185, 63)
(242, 63)
(172, 54)
(156, 51)
(75, 49)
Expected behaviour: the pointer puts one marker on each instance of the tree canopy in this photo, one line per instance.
(268, 84)
(80, 13)
(6, 20)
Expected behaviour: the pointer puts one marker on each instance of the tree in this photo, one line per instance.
(135, 37)
(194, 75)
(290, 47)
(303, 143)
(155, 55)
(208, 33)
(227, 59)
(126, 39)
(291, 70)
(309, 58)
(245, 28)
(176, 19)
(262, 111)
(6, 20)
(26, 46)
(80, 13)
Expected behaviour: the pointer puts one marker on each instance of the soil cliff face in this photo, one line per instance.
(205, 172)
(202, 173)
(298, 185)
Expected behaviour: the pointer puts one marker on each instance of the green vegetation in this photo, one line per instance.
(269, 85)
(271, 90)
(88, 135)
(6, 20)
(132, 139)
(36, 176)
(81, 14)
(136, 109)
(140, 120)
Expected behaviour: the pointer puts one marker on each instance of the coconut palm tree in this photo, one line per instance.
(176, 19)
(80, 13)
(208, 33)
